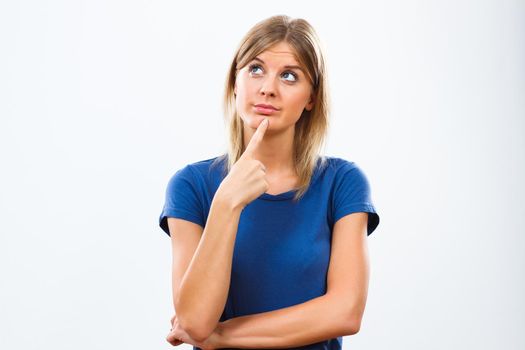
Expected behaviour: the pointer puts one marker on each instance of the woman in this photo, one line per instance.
(269, 239)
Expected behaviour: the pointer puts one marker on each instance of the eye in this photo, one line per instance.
(252, 66)
(291, 74)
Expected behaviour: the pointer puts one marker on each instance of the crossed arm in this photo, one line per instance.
(337, 313)
(316, 320)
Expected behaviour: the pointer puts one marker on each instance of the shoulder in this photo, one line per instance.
(343, 172)
(337, 166)
(206, 166)
(351, 192)
(200, 176)
(338, 163)
(200, 168)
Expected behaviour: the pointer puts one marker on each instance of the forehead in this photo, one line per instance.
(281, 52)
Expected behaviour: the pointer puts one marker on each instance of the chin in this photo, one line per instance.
(254, 120)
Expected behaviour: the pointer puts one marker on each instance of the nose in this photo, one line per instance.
(268, 87)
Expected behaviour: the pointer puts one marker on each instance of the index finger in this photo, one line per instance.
(257, 137)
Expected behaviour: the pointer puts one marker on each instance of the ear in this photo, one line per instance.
(235, 89)
(310, 103)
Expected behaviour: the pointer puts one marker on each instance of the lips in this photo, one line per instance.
(265, 109)
(262, 105)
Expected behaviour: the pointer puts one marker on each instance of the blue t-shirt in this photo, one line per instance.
(282, 248)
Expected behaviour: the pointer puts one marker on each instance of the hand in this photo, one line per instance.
(171, 337)
(178, 336)
(247, 178)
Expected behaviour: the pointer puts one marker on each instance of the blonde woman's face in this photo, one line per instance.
(273, 78)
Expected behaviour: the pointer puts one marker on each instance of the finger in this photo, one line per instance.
(173, 340)
(175, 343)
(257, 137)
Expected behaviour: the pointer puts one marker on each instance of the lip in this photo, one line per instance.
(266, 106)
(265, 109)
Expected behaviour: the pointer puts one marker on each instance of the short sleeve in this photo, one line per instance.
(182, 200)
(352, 194)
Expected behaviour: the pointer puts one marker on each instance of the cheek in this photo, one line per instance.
(241, 91)
(297, 101)
(246, 95)
(239, 96)
(242, 101)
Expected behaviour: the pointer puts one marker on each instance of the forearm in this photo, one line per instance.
(204, 288)
(313, 321)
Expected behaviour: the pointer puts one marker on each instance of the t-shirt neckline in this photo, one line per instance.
(279, 196)
(289, 194)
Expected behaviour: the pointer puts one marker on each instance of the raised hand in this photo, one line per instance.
(246, 180)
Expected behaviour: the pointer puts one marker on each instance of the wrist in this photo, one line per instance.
(227, 201)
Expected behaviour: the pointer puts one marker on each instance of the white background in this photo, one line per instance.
(102, 101)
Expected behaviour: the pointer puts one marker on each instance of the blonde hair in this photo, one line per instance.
(312, 126)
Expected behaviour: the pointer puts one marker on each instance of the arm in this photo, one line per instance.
(203, 290)
(337, 313)
(313, 321)
(205, 285)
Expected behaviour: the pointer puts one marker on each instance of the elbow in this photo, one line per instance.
(197, 329)
(348, 316)
(353, 325)
(194, 322)
(352, 322)
(196, 332)
(354, 315)
(350, 327)
(353, 328)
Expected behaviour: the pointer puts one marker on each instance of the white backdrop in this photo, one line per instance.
(102, 101)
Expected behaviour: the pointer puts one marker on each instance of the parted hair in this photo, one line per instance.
(311, 128)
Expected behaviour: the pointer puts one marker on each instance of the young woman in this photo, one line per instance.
(269, 239)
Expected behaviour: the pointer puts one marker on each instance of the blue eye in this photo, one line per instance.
(253, 67)
(292, 74)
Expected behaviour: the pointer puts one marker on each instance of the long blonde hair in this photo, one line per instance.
(312, 126)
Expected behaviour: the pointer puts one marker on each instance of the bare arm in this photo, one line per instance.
(204, 288)
(337, 313)
(318, 319)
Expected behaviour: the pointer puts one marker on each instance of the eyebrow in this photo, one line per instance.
(288, 66)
